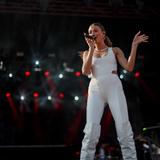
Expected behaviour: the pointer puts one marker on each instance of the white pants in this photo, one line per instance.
(101, 91)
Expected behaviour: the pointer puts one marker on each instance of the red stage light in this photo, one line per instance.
(27, 73)
(46, 73)
(77, 73)
(8, 94)
(61, 95)
(137, 74)
(35, 94)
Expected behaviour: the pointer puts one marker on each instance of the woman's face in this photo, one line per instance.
(97, 32)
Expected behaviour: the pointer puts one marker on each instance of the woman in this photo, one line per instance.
(100, 62)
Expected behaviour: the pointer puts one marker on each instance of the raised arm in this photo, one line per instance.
(87, 57)
(87, 62)
(130, 63)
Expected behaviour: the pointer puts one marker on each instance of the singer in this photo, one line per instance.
(100, 62)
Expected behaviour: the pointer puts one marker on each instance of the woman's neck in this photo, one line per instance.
(100, 47)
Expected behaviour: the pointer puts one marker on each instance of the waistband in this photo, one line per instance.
(96, 75)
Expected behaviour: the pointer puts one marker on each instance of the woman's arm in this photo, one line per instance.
(130, 63)
(87, 62)
(87, 57)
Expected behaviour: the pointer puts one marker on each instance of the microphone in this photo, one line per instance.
(90, 37)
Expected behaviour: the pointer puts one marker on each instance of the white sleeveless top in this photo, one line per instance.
(104, 65)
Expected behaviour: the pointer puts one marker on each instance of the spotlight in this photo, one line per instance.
(60, 76)
(35, 94)
(46, 73)
(124, 71)
(144, 129)
(10, 75)
(37, 62)
(77, 74)
(22, 98)
(1, 65)
(121, 76)
(49, 98)
(27, 73)
(8, 94)
(37, 67)
(61, 95)
(76, 98)
(137, 74)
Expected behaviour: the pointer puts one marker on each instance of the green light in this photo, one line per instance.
(144, 129)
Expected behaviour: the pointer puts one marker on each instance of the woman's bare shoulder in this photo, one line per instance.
(117, 50)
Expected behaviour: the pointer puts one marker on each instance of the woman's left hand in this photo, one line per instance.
(139, 38)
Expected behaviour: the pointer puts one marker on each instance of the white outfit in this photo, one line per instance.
(106, 87)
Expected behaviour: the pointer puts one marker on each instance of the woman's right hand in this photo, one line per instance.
(90, 42)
